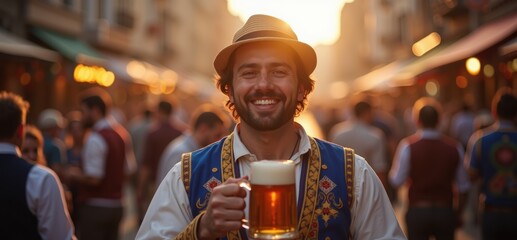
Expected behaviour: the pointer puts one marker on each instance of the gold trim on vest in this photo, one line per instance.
(308, 224)
(186, 169)
(228, 171)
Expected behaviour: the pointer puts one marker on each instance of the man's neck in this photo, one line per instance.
(270, 145)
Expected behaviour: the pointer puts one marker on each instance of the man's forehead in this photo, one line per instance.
(277, 53)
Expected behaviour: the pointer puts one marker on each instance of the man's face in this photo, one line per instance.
(212, 134)
(265, 86)
(87, 118)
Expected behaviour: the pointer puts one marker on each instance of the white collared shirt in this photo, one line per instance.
(45, 199)
(372, 214)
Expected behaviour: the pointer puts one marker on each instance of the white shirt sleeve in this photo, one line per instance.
(169, 211)
(379, 163)
(94, 155)
(400, 169)
(46, 200)
(461, 173)
(372, 214)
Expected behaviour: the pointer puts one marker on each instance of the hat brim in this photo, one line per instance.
(305, 52)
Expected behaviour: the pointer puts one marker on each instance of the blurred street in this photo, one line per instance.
(153, 62)
(469, 231)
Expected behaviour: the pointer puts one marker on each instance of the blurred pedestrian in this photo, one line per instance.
(366, 140)
(32, 203)
(208, 124)
(138, 128)
(462, 124)
(75, 133)
(107, 161)
(432, 165)
(32, 147)
(159, 136)
(51, 124)
(492, 160)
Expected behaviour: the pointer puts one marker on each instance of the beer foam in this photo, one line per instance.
(269, 172)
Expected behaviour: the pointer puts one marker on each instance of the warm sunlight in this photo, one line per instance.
(315, 22)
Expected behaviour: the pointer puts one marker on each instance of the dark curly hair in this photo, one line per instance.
(13, 111)
(225, 82)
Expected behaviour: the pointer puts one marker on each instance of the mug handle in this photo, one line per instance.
(245, 184)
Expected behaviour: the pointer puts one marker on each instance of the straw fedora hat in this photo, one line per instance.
(266, 28)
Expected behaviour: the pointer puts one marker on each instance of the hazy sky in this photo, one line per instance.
(314, 21)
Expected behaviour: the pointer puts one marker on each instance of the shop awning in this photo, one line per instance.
(71, 48)
(509, 48)
(380, 78)
(16, 46)
(479, 40)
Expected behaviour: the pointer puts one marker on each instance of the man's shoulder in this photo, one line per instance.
(43, 173)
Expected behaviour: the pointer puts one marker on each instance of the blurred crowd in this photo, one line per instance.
(458, 162)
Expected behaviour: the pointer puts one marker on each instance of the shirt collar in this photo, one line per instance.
(7, 148)
(429, 133)
(503, 123)
(240, 151)
(103, 123)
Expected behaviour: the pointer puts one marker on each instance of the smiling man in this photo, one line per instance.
(266, 75)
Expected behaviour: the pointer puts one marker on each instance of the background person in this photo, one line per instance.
(107, 162)
(32, 201)
(367, 140)
(432, 165)
(51, 123)
(208, 124)
(32, 146)
(492, 160)
(159, 136)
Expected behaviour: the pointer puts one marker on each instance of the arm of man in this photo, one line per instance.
(169, 215)
(472, 157)
(46, 200)
(372, 214)
(400, 169)
(463, 184)
(93, 163)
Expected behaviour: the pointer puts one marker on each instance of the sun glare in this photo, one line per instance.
(315, 22)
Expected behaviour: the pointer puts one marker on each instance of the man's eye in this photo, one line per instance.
(279, 73)
(249, 73)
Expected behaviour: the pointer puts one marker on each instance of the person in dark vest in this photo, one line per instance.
(32, 203)
(106, 163)
(492, 160)
(432, 164)
(265, 73)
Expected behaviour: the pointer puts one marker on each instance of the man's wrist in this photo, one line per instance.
(202, 232)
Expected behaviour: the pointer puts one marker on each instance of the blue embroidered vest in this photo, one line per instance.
(323, 204)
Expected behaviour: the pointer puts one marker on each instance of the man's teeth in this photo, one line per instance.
(264, 101)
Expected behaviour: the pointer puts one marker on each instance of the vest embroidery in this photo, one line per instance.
(307, 224)
(327, 201)
(320, 205)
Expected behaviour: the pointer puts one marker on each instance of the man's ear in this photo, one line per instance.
(20, 131)
(300, 93)
(230, 95)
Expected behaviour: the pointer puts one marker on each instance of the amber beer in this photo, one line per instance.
(272, 212)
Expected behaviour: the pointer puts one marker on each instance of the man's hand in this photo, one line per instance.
(225, 210)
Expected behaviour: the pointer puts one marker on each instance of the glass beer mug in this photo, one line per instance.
(272, 210)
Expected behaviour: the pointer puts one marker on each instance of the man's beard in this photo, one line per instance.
(87, 123)
(268, 122)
